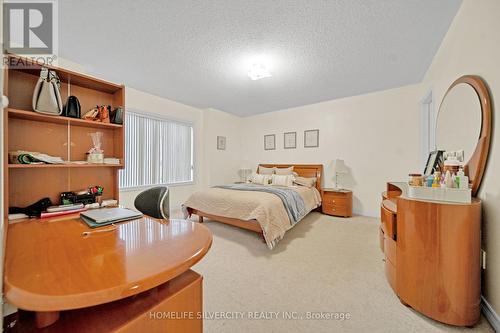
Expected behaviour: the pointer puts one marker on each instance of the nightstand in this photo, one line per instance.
(337, 202)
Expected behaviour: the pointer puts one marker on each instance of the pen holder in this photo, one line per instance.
(98, 199)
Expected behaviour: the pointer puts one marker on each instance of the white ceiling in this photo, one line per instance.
(194, 52)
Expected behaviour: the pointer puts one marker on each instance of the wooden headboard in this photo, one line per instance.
(303, 170)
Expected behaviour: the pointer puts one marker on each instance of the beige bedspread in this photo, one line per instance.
(266, 208)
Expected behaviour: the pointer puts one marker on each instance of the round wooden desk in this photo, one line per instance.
(50, 266)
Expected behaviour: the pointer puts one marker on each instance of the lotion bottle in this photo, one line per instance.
(463, 180)
(448, 181)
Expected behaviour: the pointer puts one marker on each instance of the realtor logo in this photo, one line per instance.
(29, 27)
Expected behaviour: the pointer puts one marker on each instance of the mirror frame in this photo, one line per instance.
(476, 165)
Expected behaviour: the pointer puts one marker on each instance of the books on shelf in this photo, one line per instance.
(111, 160)
(59, 213)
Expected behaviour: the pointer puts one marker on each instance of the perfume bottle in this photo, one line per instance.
(437, 179)
(448, 181)
(463, 180)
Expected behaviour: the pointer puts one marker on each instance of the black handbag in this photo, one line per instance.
(117, 116)
(72, 108)
(34, 209)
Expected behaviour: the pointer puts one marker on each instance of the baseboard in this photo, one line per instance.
(490, 314)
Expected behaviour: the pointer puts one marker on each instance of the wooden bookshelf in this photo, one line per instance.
(61, 136)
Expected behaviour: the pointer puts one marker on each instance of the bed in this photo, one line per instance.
(257, 210)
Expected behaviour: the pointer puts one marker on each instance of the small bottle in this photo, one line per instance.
(429, 180)
(448, 182)
(437, 179)
(463, 180)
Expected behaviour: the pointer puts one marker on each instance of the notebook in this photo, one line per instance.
(105, 216)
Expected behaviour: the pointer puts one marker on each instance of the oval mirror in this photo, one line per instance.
(464, 123)
(460, 106)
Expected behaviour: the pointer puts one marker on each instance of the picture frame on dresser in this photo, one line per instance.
(434, 161)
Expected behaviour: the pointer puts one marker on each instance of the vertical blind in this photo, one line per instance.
(157, 151)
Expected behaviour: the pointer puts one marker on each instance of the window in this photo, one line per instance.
(427, 127)
(157, 151)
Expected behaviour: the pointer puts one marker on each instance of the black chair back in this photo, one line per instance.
(154, 202)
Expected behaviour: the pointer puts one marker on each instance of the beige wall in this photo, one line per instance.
(472, 46)
(377, 135)
(221, 166)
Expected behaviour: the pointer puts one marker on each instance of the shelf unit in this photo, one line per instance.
(61, 136)
(30, 115)
(42, 166)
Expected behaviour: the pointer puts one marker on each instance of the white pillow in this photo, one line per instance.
(260, 179)
(282, 180)
(303, 181)
(265, 171)
(284, 171)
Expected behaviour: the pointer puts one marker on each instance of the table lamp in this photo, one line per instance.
(244, 173)
(339, 168)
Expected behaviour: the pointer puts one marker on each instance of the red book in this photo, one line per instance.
(64, 212)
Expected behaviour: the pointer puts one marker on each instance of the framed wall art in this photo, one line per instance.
(221, 143)
(311, 138)
(270, 142)
(290, 140)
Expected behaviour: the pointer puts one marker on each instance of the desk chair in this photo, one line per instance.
(154, 202)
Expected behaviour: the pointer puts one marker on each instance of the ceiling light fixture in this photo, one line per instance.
(258, 71)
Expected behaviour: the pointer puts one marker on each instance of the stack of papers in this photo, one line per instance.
(111, 160)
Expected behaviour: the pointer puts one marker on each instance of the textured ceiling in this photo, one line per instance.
(195, 52)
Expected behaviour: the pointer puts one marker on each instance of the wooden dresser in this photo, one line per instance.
(432, 249)
(432, 255)
(336, 202)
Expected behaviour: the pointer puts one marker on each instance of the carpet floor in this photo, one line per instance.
(326, 275)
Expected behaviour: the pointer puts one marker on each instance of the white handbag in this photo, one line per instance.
(47, 94)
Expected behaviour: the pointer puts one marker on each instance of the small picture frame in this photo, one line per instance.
(270, 142)
(311, 138)
(434, 162)
(290, 140)
(221, 143)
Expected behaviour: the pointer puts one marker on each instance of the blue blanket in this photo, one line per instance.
(293, 202)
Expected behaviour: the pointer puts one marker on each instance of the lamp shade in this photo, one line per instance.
(339, 166)
(244, 173)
